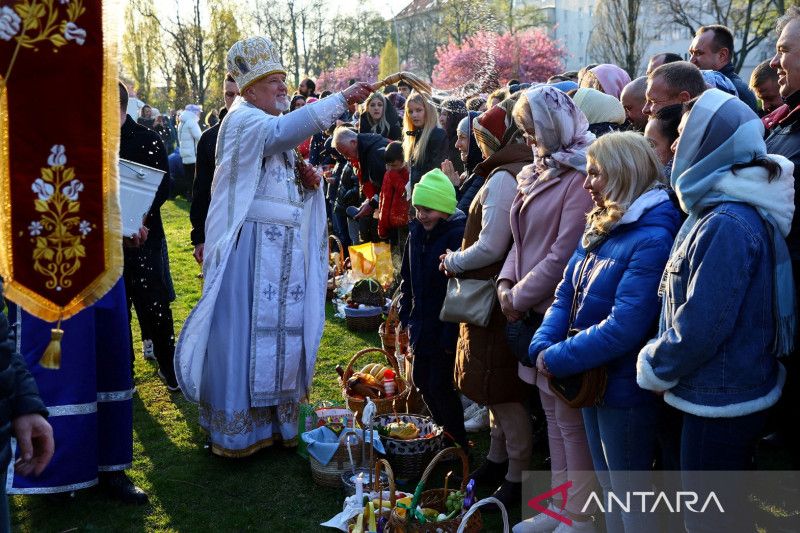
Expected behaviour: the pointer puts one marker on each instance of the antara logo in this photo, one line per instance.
(636, 501)
(535, 502)
(660, 502)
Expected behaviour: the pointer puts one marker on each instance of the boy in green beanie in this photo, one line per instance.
(439, 227)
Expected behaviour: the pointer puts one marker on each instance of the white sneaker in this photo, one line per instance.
(147, 350)
(479, 421)
(587, 526)
(465, 402)
(541, 523)
(471, 411)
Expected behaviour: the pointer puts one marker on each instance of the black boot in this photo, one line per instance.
(489, 474)
(118, 486)
(509, 494)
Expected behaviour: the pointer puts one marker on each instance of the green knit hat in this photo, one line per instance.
(435, 191)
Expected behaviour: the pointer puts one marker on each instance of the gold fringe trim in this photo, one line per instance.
(253, 448)
(27, 298)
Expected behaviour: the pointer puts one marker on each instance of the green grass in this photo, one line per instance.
(190, 490)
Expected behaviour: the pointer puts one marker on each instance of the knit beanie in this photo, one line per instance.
(435, 191)
(599, 107)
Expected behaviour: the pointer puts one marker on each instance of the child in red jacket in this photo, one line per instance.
(393, 205)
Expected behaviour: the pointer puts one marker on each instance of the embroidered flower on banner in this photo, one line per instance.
(9, 23)
(59, 234)
(73, 33)
(42, 189)
(72, 190)
(58, 156)
(35, 228)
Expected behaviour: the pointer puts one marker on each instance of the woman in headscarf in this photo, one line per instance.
(547, 218)
(662, 130)
(717, 80)
(728, 297)
(379, 116)
(486, 370)
(606, 78)
(451, 112)
(609, 295)
(467, 183)
(604, 112)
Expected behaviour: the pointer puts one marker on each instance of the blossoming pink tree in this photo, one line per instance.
(529, 56)
(361, 67)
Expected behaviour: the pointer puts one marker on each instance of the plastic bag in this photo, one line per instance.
(372, 260)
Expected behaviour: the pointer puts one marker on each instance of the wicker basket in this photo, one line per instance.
(393, 337)
(437, 499)
(368, 319)
(409, 457)
(383, 405)
(368, 291)
(380, 465)
(330, 475)
(414, 401)
(337, 266)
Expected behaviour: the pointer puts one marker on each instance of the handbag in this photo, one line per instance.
(469, 300)
(588, 387)
(520, 333)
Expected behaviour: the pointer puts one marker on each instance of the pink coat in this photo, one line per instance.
(546, 225)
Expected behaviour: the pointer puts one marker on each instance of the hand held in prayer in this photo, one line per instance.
(357, 93)
(35, 440)
(450, 172)
(503, 294)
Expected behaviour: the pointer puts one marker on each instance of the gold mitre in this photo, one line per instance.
(251, 59)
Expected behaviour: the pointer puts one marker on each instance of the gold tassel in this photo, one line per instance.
(52, 354)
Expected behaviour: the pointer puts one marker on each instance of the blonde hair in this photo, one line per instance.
(523, 116)
(382, 125)
(415, 151)
(631, 168)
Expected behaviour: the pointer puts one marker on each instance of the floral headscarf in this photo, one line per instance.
(562, 136)
(612, 79)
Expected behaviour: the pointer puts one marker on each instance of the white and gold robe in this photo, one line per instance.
(247, 350)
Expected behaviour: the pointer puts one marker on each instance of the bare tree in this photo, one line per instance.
(751, 20)
(197, 49)
(619, 33)
(141, 48)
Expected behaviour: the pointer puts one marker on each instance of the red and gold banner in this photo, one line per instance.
(60, 231)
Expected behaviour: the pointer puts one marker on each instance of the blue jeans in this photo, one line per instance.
(623, 440)
(339, 223)
(718, 444)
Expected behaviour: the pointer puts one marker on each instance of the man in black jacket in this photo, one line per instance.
(366, 152)
(148, 283)
(712, 49)
(784, 139)
(21, 415)
(204, 172)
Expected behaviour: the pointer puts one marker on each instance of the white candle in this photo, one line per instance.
(360, 489)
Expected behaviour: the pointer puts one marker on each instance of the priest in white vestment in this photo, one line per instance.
(246, 353)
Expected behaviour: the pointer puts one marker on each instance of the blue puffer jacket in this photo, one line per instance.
(424, 286)
(618, 302)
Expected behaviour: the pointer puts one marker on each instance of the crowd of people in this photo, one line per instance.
(639, 229)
